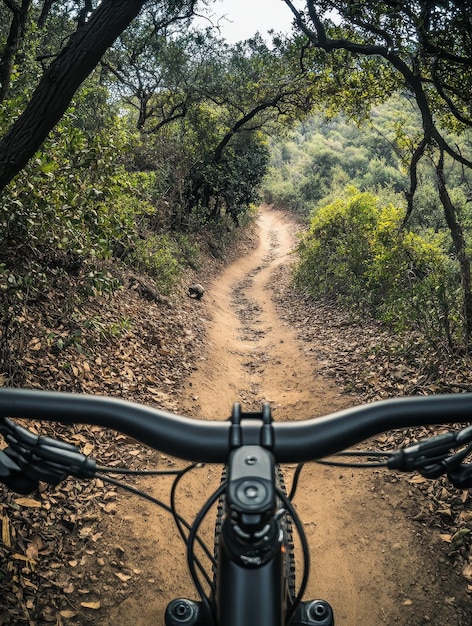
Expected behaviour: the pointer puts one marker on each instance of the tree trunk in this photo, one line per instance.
(459, 247)
(15, 37)
(60, 82)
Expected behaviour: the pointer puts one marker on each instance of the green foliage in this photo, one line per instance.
(157, 255)
(188, 251)
(356, 253)
(109, 330)
(73, 197)
(322, 156)
(235, 180)
(74, 208)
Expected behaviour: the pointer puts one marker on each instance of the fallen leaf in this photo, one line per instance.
(21, 557)
(6, 538)
(467, 571)
(32, 551)
(86, 531)
(35, 344)
(445, 511)
(458, 537)
(28, 502)
(90, 605)
(87, 449)
(416, 480)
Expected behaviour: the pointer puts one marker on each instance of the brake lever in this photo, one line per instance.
(430, 456)
(424, 453)
(40, 458)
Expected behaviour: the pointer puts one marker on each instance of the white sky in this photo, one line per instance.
(249, 16)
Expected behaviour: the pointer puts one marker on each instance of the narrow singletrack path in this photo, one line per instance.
(369, 560)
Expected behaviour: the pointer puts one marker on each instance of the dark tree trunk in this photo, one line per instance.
(47, 6)
(459, 243)
(60, 82)
(15, 36)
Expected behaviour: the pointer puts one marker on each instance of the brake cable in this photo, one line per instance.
(191, 559)
(304, 545)
(173, 506)
(358, 453)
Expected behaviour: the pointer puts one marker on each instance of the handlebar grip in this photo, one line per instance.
(12, 476)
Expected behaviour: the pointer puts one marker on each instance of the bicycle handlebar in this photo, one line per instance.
(209, 441)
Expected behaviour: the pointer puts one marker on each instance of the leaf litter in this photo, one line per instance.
(133, 344)
(142, 349)
(372, 363)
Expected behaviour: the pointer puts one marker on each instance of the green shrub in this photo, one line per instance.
(75, 197)
(157, 255)
(356, 253)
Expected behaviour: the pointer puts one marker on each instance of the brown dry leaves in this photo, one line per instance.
(52, 544)
(373, 364)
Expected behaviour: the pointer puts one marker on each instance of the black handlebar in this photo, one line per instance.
(209, 441)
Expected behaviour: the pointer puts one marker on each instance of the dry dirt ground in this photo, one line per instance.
(368, 558)
(87, 555)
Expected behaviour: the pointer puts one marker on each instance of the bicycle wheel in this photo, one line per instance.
(287, 536)
(289, 548)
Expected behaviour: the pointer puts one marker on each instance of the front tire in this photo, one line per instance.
(285, 523)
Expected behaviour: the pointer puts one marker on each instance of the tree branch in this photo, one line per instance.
(15, 36)
(413, 172)
(60, 82)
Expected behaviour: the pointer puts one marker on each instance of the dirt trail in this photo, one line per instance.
(368, 559)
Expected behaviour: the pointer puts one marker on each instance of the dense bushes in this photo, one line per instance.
(322, 156)
(356, 253)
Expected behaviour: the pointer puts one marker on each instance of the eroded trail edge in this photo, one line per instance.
(371, 562)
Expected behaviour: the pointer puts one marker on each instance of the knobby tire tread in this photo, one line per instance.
(286, 525)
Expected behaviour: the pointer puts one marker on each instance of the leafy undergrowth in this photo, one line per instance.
(371, 363)
(133, 344)
(138, 346)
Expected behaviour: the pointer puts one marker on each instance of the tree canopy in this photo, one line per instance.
(96, 30)
(128, 128)
(426, 48)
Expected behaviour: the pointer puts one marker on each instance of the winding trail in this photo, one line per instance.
(252, 355)
(368, 560)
